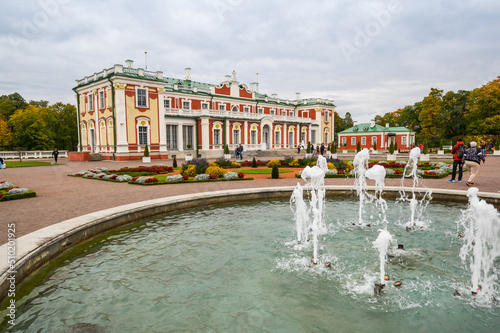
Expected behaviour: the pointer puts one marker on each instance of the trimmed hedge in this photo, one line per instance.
(7, 197)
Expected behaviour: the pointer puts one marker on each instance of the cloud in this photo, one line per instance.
(371, 57)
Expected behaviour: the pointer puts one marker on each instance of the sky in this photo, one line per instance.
(370, 57)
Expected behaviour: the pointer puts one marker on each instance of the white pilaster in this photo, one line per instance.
(205, 134)
(121, 119)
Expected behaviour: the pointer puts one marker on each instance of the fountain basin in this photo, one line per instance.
(46, 244)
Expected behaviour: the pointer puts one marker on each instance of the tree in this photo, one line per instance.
(431, 116)
(455, 113)
(337, 123)
(425, 147)
(391, 148)
(39, 104)
(484, 104)
(409, 116)
(347, 122)
(10, 103)
(5, 135)
(275, 172)
(308, 150)
(32, 128)
(391, 118)
(358, 146)
(66, 127)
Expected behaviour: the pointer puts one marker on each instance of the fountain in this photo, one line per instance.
(219, 269)
(481, 235)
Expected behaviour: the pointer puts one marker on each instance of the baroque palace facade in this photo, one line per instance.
(122, 109)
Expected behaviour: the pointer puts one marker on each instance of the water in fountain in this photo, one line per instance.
(481, 225)
(377, 173)
(315, 178)
(382, 244)
(360, 164)
(416, 208)
(300, 213)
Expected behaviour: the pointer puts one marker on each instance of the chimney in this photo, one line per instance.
(387, 125)
(228, 78)
(187, 70)
(129, 63)
(274, 95)
(297, 96)
(354, 123)
(254, 86)
(372, 123)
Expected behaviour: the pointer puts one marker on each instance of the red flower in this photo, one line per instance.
(185, 177)
(213, 176)
(241, 175)
(151, 180)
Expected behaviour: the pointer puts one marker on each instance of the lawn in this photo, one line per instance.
(263, 171)
(14, 164)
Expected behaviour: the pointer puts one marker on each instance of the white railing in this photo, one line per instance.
(237, 115)
(31, 154)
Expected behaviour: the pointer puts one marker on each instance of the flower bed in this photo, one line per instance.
(10, 192)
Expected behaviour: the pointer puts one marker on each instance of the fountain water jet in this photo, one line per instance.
(360, 164)
(382, 244)
(481, 247)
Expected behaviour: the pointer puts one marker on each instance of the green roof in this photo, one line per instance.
(366, 128)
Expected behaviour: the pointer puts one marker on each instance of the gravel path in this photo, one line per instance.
(60, 197)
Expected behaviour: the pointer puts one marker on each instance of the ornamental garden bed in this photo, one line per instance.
(10, 192)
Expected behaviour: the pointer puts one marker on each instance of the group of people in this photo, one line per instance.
(471, 157)
(319, 149)
(239, 152)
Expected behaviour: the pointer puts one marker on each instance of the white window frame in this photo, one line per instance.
(217, 136)
(187, 135)
(235, 109)
(146, 128)
(140, 103)
(204, 106)
(261, 111)
(277, 137)
(102, 101)
(172, 138)
(91, 102)
(363, 141)
(403, 140)
(374, 139)
(186, 105)
(222, 107)
(326, 116)
(344, 140)
(290, 114)
(246, 109)
(353, 141)
(273, 112)
(166, 103)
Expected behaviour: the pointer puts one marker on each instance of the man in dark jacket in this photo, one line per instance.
(457, 162)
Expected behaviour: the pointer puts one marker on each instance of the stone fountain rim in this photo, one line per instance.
(39, 247)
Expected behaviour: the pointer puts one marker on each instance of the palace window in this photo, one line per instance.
(277, 137)
(217, 137)
(101, 99)
(166, 103)
(353, 141)
(91, 102)
(246, 109)
(142, 98)
(236, 137)
(291, 114)
(326, 116)
(363, 141)
(187, 132)
(261, 110)
(235, 109)
(403, 140)
(204, 106)
(222, 107)
(171, 136)
(313, 136)
(374, 140)
(186, 105)
(143, 135)
(344, 141)
(272, 112)
(253, 137)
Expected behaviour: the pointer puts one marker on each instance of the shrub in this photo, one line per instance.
(425, 148)
(241, 175)
(391, 148)
(330, 165)
(294, 163)
(190, 171)
(151, 180)
(146, 151)
(254, 163)
(223, 163)
(213, 164)
(396, 146)
(333, 148)
(308, 150)
(374, 146)
(274, 162)
(186, 177)
(213, 176)
(200, 164)
(358, 146)
(202, 176)
(276, 172)
(231, 175)
(174, 163)
(211, 170)
(174, 178)
(235, 165)
(226, 150)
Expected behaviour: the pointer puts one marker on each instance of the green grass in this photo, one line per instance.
(265, 171)
(12, 164)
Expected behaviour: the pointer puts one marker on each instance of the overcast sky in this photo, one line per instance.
(370, 57)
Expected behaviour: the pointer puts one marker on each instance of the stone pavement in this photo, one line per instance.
(60, 197)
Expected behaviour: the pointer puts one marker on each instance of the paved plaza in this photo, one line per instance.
(60, 197)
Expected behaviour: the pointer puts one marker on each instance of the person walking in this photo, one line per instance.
(55, 153)
(241, 151)
(1, 163)
(483, 148)
(322, 149)
(472, 161)
(458, 153)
